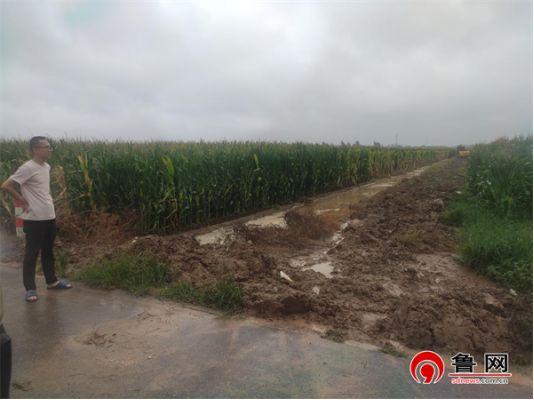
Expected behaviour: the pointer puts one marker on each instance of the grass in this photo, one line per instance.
(141, 275)
(500, 176)
(392, 351)
(224, 296)
(521, 368)
(491, 244)
(135, 274)
(61, 265)
(494, 213)
(335, 335)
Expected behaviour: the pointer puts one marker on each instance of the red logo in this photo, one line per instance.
(431, 365)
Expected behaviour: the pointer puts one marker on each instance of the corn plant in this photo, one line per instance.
(500, 175)
(178, 184)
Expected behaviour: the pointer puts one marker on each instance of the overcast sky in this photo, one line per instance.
(433, 72)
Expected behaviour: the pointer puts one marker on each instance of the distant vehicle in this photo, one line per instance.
(462, 152)
(5, 356)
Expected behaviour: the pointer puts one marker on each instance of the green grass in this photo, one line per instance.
(61, 265)
(224, 296)
(521, 368)
(335, 335)
(463, 210)
(500, 176)
(392, 351)
(140, 275)
(492, 244)
(134, 274)
(494, 213)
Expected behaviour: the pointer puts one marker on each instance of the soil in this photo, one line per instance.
(392, 274)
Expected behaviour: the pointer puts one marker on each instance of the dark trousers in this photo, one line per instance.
(40, 236)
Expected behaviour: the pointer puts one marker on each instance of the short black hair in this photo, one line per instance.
(34, 141)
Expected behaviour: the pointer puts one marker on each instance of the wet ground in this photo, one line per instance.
(87, 343)
(327, 203)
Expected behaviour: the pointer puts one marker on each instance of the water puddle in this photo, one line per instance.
(218, 236)
(270, 220)
(318, 263)
(338, 200)
(324, 268)
(319, 212)
(224, 234)
(328, 203)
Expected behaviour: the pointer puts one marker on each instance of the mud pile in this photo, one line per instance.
(396, 278)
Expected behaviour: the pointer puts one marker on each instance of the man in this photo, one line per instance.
(39, 216)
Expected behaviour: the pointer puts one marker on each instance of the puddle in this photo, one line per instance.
(333, 202)
(315, 262)
(383, 185)
(221, 235)
(319, 212)
(324, 268)
(218, 236)
(338, 200)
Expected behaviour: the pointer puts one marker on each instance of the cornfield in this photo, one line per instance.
(173, 185)
(500, 175)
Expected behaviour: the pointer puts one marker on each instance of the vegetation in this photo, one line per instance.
(392, 351)
(500, 176)
(141, 275)
(495, 213)
(171, 185)
(225, 296)
(134, 274)
(335, 335)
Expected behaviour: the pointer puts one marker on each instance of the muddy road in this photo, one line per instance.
(374, 261)
(95, 344)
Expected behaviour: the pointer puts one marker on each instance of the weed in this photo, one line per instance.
(225, 295)
(335, 335)
(392, 351)
(61, 265)
(492, 244)
(134, 274)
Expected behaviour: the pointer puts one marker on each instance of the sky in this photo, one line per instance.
(431, 72)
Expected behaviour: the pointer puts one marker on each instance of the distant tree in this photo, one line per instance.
(377, 144)
(357, 143)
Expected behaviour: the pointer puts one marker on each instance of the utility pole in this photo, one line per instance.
(397, 140)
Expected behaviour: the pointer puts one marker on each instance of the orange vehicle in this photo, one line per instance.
(462, 152)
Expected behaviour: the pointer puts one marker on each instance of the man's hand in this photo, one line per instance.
(9, 187)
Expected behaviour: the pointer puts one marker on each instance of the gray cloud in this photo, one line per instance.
(433, 72)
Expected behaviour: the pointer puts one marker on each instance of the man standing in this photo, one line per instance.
(39, 216)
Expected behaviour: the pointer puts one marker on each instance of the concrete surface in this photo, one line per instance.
(87, 343)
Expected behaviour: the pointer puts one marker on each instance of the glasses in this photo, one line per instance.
(46, 147)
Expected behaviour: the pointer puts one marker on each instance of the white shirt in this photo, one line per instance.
(34, 181)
